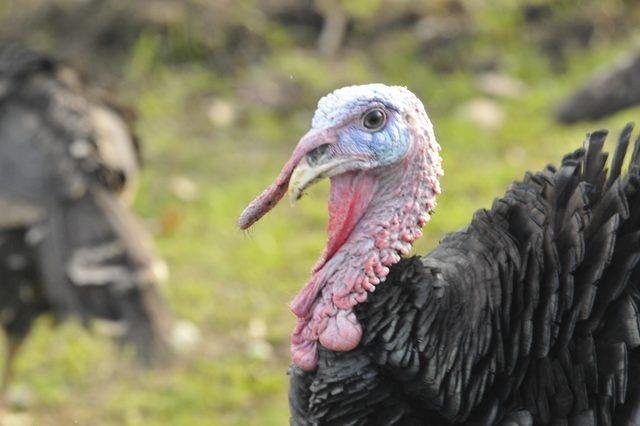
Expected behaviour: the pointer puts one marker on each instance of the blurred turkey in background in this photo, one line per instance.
(69, 245)
(612, 89)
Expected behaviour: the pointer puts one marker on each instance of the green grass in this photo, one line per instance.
(222, 278)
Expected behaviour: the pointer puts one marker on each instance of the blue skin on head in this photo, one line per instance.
(343, 110)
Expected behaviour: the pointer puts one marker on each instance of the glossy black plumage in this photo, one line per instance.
(529, 315)
(68, 244)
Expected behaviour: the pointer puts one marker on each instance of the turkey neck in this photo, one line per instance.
(374, 218)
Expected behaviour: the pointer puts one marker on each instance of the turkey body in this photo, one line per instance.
(528, 316)
(68, 244)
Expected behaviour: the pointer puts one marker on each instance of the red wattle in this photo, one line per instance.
(349, 197)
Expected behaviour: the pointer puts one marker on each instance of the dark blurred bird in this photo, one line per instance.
(529, 315)
(68, 244)
(607, 92)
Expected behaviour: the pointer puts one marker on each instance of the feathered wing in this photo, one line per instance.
(528, 315)
(88, 251)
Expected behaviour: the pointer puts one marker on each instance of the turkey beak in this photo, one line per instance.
(314, 166)
(304, 153)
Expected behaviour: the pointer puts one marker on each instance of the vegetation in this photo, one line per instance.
(219, 112)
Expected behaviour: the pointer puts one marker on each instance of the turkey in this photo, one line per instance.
(528, 315)
(68, 244)
(607, 92)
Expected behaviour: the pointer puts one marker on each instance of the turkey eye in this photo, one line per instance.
(374, 119)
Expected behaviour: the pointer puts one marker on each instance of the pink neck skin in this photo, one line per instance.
(374, 217)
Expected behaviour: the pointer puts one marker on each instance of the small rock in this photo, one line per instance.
(500, 85)
(19, 398)
(160, 271)
(257, 328)
(257, 346)
(185, 335)
(221, 113)
(483, 112)
(184, 188)
(259, 349)
(16, 419)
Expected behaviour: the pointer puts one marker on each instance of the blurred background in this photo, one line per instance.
(222, 91)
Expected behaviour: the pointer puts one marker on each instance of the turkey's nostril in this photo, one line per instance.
(317, 154)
